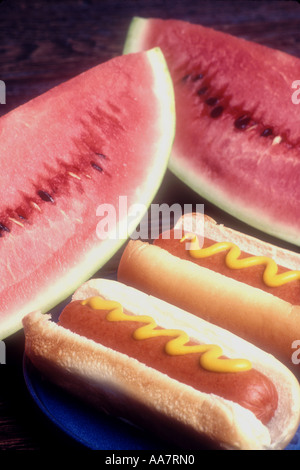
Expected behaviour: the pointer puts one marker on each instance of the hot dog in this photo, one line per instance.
(238, 298)
(158, 366)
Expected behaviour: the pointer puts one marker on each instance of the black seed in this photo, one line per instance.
(45, 196)
(211, 101)
(101, 155)
(202, 90)
(266, 132)
(3, 228)
(242, 122)
(185, 78)
(96, 167)
(199, 76)
(216, 112)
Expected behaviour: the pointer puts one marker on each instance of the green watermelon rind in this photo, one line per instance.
(135, 30)
(179, 166)
(96, 258)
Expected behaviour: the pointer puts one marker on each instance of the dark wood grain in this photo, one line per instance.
(43, 43)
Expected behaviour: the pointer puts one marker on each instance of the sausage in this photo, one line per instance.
(251, 388)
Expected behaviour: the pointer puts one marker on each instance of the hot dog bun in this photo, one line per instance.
(257, 316)
(219, 232)
(121, 385)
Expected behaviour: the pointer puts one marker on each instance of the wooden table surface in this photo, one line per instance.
(43, 43)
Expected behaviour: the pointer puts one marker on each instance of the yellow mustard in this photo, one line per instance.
(270, 276)
(210, 353)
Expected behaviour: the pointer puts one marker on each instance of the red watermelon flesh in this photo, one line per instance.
(103, 134)
(237, 128)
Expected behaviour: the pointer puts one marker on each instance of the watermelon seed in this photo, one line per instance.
(35, 206)
(252, 127)
(266, 132)
(101, 155)
(197, 77)
(211, 101)
(16, 221)
(242, 122)
(185, 78)
(3, 228)
(96, 167)
(45, 196)
(216, 112)
(277, 140)
(202, 90)
(64, 214)
(73, 175)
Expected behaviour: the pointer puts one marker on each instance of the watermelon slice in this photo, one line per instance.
(238, 128)
(102, 135)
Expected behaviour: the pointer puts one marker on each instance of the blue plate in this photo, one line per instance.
(94, 430)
